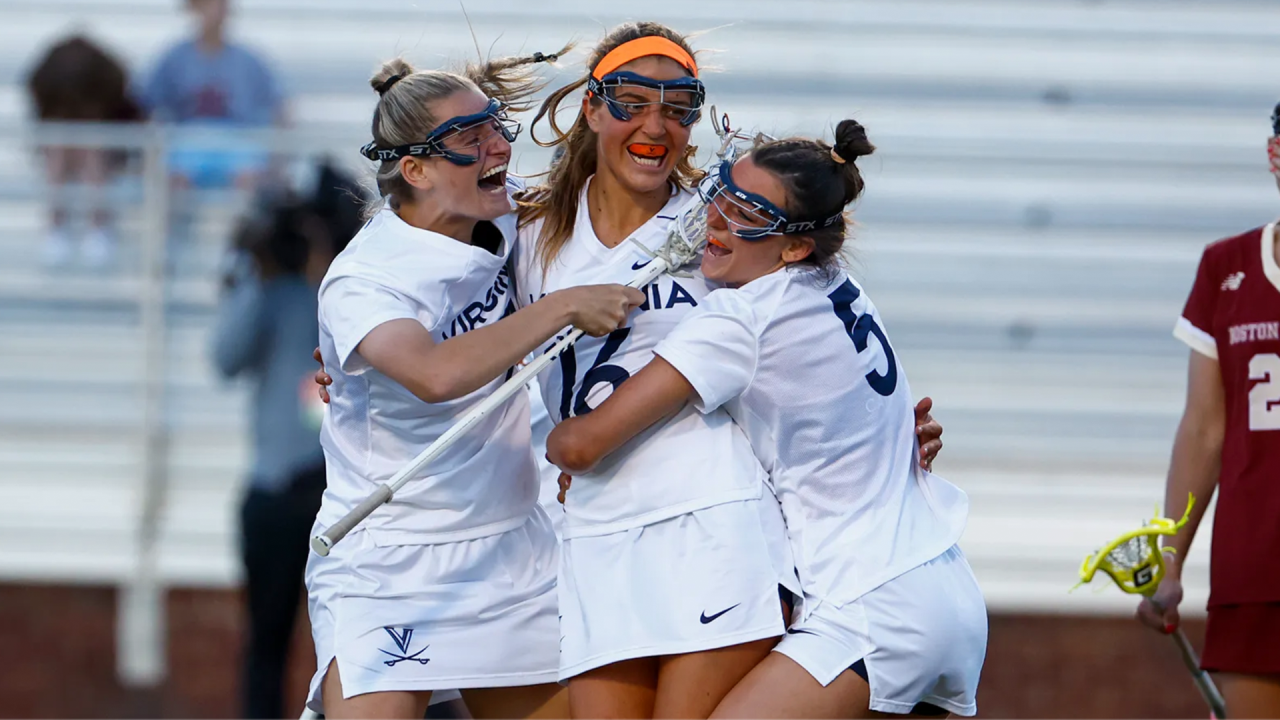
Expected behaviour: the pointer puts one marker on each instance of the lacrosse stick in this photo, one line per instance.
(728, 151)
(685, 238)
(1135, 562)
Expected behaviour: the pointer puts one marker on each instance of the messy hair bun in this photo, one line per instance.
(820, 180)
(391, 72)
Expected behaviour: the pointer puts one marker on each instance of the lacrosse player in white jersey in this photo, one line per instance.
(451, 584)
(891, 619)
(674, 550)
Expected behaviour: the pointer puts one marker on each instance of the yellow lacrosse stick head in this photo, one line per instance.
(1134, 560)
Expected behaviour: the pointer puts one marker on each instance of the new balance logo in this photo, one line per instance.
(402, 638)
(1233, 281)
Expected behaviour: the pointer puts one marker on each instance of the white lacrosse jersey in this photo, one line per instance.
(688, 462)
(806, 368)
(484, 484)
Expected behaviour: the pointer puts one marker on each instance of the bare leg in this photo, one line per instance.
(390, 705)
(623, 689)
(454, 709)
(779, 688)
(59, 168)
(1250, 696)
(693, 684)
(99, 244)
(549, 701)
(93, 172)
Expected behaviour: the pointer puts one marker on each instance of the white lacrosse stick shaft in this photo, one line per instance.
(325, 541)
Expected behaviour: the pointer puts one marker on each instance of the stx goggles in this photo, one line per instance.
(628, 94)
(751, 216)
(454, 139)
(679, 99)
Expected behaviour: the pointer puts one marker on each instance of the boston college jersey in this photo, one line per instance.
(807, 369)
(1233, 316)
(686, 463)
(484, 484)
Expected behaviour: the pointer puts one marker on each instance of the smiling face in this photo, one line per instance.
(733, 261)
(641, 153)
(476, 191)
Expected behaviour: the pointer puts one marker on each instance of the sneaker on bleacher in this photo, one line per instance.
(57, 249)
(99, 248)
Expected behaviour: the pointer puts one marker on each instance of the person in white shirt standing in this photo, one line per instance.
(891, 619)
(674, 550)
(452, 583)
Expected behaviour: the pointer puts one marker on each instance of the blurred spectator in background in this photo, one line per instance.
(266, 328)
(210, 82)
(77, 81)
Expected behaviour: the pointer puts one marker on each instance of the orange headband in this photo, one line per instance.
(643, 47)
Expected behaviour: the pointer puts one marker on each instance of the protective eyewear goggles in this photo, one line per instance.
(680, 99)
(751, 216)
(454, 139)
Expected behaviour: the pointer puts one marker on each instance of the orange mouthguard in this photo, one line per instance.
(717, 243)
(649, 151)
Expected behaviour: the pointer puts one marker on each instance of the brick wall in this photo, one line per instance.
(59, 661)
(59, 649)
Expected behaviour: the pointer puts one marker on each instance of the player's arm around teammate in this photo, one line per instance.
(1229, 439)
(451, 584)
(891, 619)
(649, 629)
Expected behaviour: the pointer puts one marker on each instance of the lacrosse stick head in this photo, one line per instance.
(732, 141)
(686, 235)
(1135, 560)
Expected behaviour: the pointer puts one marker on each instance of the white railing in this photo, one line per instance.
(138, 568)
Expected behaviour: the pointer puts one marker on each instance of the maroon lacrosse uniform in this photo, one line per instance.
(1233, 315)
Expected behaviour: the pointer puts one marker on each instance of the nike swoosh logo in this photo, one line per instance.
(793, 631)
(637, 266)
(705, 619)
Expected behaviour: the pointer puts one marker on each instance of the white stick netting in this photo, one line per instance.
(1131, 554)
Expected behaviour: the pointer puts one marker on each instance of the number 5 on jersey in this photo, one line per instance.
(859, 327)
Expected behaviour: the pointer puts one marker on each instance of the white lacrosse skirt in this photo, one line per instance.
(699, 581)
(922, 636)
(474, 614)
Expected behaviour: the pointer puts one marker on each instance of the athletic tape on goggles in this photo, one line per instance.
(605, 81)
(773, 218)
(494, 116)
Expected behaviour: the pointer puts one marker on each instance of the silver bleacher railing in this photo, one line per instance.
(119, 329)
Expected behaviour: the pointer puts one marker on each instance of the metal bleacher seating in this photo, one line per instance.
(1046, 179)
